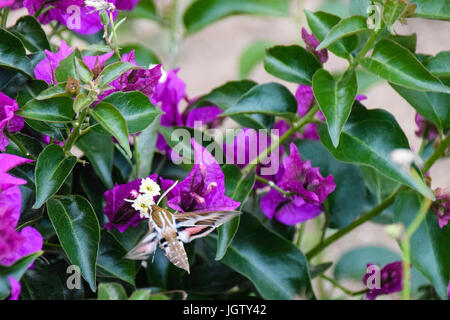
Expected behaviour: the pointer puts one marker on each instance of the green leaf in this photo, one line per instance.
(433, 106)
(112, 120)
(251, 57)
(54, 91)
(141, 294)
(31, 145)
(321, 23)
(392, 10)
(16, 271)
(82, 101)
(52, 169)
(57, 109)
(238, 188)
(227, 95)
(67, 68)
(145, 147)
(29, 30)
(84, 73)
(99, 149)
(407, 41)
(432, 9)
(50, 129)
(344, 28)
(369, 137)
(406, 71)
(42, 283)
(346, 202)
(204, 12)
(113, 71)
(439, 65)
(78, 231)
(269, 99)
(135, 107)
(143, 55)
(291, 63)
(111, 291)
(276, 274)
(429, 244)
(13, 54)
(144, 9)
(335, 98)
(111, 262)
(380, 185)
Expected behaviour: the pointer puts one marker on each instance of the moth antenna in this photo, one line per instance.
(166, 192)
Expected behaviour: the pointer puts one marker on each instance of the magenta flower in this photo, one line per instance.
(441, 207)
(144, 80)
(246, 147)
(425, 127)
(45, 69)
(312, 43)
(14, 4)
(169, 94)
(120, 213)
(204, 187)
(126, 5)
(14, 245)
(390, 280)
(307, 187)
(74, 14)
(15, 288)
(8, 121)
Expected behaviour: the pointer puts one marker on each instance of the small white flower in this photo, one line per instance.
(100, 5)
(150, 188)
(405, 158)
(143, 204)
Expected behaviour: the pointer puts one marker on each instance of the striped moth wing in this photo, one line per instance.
(193, 225)
(146, 246)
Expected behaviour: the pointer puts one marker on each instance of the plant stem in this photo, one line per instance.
(342, 288)
(440, 150)
(136, 156)
(406, 247)
(364, 50)
(77, 130)
(266, 152)
(300, 232)
(274, 186)
(4, 17)
(364, 218)
(116, 44)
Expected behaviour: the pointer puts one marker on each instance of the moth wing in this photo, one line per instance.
(146, 246)
(174, 251)
(193, 225)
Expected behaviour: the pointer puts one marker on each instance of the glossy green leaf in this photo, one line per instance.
(111, 291)
(291, 63)
(52, 169)
(82, 101)
(204, 12)
(16, 271)
(237, 188)
(57, 109)
(321, 23)
(251, 57)
(433, 106)
(344, 28)
(83, 71)
(398, 65)
(276, 274)
(42, 283)
(432, 9)
(429, 244)
(78, 231)
(99, 149)
(269, 99)
(13, 54)
(227, 95)
(113, 71)
(335, 98)
(67, 68)
(407, 41)
(31, 145)
(54, 91)
(135, 107)
(141, 294)
(439, 65)
(30, 32)
(392, 10)
(145, 9)
(111, 262)
(380, 185)
(369, 137)
(346, 202)
(145, 147)
(112, 121)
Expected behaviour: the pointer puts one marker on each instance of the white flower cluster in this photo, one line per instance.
(100, 5)
(148, 189)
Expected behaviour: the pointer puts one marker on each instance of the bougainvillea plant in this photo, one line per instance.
(102, 149)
